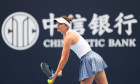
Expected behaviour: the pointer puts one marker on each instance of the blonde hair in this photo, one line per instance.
(69, 19)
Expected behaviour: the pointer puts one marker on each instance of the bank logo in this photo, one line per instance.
(20, 31)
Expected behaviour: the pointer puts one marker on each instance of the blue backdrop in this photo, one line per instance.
(23, 66)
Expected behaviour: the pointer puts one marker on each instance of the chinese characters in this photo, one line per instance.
(98, 24)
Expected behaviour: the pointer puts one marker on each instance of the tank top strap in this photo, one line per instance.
(81, 47)
(68, 31)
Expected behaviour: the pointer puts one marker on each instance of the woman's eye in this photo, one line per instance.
(60, 23)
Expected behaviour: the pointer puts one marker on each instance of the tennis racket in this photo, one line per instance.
(48, 71)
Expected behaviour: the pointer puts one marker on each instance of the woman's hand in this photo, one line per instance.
(60, 73)
(55, 76)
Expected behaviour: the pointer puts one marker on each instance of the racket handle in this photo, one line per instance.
(50, 80)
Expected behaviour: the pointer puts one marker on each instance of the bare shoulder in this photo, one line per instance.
(72, 37)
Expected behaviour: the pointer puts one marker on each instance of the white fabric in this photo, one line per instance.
(62, 20)
(81, 47)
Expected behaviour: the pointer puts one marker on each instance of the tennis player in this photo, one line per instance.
(92, 64)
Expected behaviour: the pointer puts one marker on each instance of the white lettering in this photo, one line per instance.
(53, 43)
(122, 42)
(96, 42)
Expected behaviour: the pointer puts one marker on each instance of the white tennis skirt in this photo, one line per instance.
(90, 64)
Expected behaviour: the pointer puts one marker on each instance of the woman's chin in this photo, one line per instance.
(58, 30)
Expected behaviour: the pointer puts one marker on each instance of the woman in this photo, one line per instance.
(92, 65)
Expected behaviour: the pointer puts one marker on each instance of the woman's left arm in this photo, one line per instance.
(64, 56)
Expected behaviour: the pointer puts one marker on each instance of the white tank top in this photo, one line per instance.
(81, 47)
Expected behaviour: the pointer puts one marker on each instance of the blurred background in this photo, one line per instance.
(111, 27)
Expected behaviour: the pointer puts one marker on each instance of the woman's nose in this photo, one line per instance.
(57, 25)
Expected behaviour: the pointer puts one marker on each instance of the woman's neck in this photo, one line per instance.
(64, 33)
